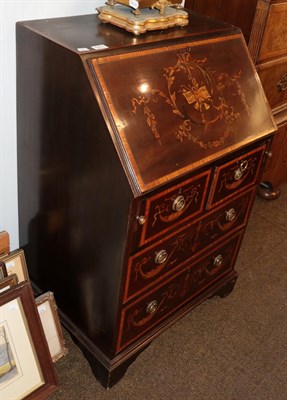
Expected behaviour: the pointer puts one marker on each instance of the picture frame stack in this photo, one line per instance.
(31, 337)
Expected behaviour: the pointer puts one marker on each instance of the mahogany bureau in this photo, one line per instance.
(264, 25)
(138, 164)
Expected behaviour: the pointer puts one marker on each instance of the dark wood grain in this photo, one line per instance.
(69, 195)
(86, 31)
(236, 12)
(193, 107)
(89, 165)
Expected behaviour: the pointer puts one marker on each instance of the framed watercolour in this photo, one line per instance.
(16, 264)
(47, 309)
(8, 282)
(3, 270)
(26, 368)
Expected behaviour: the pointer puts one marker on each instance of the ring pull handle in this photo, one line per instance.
(240, 170)
(282, 84)
(178, 203)
(230, 215)
(161, 257)
(151, 307)
(244, 165)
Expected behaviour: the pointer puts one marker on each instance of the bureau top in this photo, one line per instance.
(172, 100)
(85, 32)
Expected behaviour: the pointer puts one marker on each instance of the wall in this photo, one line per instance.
(11, 12)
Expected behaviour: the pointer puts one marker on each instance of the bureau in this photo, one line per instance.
(264, 25)
(138, 160)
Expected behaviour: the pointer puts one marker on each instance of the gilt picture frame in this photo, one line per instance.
(16, 264)
(26, 368)
(47, 308)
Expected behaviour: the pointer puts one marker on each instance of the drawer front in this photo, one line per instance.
(274, 43)
(142, 315)
(168, 209)
(153, 264)
(273, 76)
(236, 175)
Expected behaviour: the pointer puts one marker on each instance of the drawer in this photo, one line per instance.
(144, 314)
(153, 264)
(232, 177)
(172, 207)
(273, 76)
(274, 43)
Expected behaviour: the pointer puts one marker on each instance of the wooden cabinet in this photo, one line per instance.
(272, 69)
(138, 165)
(236, 12)
(264, 25)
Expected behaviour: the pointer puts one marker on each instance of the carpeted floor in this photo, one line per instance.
(225, 349)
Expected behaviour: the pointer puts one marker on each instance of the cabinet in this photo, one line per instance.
(138, 163)
(264, 25)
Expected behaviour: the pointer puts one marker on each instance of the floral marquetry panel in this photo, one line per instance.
(178, 107)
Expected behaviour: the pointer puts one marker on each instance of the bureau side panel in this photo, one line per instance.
(74, 198)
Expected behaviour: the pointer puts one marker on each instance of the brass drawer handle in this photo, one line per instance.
(282, 84)
(230, 215)
(218, 261)
(178, 204)
(152, 307)
(141, 220)
(161, 257)
(240, 170)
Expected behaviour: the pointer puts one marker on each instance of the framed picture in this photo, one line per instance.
(8, 282)
(3, 270)
(26, 367)
(16, 264)
(47, 309)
